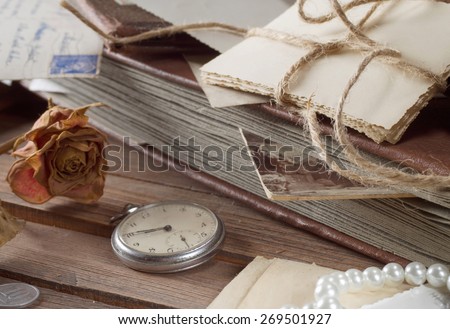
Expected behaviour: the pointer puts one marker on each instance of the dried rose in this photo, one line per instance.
(62, 157)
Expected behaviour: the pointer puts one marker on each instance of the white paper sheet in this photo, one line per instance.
(421, 297)
(244, 14)
(47, 86)
(40, 39)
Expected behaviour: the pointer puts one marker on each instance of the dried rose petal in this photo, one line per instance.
(62, 157)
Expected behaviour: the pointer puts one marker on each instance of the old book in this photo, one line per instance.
(423, 149)
(155, 100)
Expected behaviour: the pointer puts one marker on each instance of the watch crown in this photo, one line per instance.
(128, 209)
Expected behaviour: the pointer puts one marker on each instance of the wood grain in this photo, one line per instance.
(84, 265)
(65, 247)
(249, 232)
(54, 299)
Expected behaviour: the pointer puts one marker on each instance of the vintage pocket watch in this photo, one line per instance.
(167, 237)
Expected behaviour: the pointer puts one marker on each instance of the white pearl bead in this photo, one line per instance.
(415, 273)
(339, 279)
(322, 280)
(437, 275)
(328, 303)
(326, 289)
(330, 286)
(373, 278)
(394, 274)
(355, 280)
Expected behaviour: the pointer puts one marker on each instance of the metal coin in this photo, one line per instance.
(17, 295)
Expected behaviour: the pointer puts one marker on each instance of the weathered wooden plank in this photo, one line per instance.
(126, 161)
(94, 218)
(249, 232)
(244, 224)
(74, 268)
(49, 298)
(84, 265)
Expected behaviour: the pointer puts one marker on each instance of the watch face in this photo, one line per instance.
(168, 228)
(167, 237)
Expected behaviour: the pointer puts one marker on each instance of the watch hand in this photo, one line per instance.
(166, 228)
(184, 240)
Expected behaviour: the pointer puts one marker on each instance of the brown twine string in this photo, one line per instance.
(355, 40)
(390, 175)
(379, 174)
(332, 15)
(157, 33)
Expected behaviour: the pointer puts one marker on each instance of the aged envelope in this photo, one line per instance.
(39, 39)
(384, 101)
(245, 14)
(219, 96)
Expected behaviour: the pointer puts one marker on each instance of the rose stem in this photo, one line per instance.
(8, 145)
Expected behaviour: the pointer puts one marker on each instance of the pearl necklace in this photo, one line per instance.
(329, 287)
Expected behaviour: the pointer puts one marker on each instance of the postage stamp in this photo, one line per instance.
(74, 65)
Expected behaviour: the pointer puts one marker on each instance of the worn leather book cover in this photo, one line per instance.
(423, 147)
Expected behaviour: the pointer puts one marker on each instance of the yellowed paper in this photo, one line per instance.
(237, 290)
(384, 101)
(218, 96)
(275, 283)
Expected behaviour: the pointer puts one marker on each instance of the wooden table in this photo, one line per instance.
(65, 248)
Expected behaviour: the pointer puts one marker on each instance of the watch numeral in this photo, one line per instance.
(203, 224)
(203, 234)
(136, 244)
(133, 224)
(129, 235)
(152, 250)
(170, 250)
(183, 209)
(199, 214)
